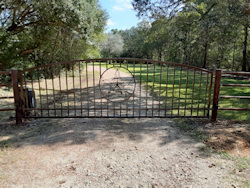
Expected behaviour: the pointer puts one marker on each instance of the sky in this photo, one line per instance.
(121, 14)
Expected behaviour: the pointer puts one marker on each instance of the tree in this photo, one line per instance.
(205, 33)
(166, 8)
(46, 31)
(134, 40)
(112, 46)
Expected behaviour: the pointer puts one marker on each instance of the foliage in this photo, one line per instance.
(41, 32)
(202, 33)
(112, 46)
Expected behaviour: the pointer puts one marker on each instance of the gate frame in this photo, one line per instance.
(15, 77)
(141, 61)
(17, 99)
(216, 94)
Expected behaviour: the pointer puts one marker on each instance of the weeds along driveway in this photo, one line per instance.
(109, 153)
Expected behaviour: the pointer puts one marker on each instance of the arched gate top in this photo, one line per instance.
(120, 59)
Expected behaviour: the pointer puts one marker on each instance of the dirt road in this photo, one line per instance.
(109, 153)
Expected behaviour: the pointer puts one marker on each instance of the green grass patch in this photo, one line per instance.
(242, 163)
(247, 184)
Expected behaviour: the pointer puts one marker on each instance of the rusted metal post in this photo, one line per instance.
(216, 94)
(14, 78)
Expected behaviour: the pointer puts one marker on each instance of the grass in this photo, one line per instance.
(234, 103)
(242, 163)
(247, 184)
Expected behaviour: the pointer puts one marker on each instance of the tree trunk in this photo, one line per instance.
(185, 59)
(234, 49)
(151, 55)
(244, 63)
(205, 48)
(205, 55)
(233, 64)
(160, 55)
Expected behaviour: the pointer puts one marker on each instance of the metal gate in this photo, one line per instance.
(105, 88)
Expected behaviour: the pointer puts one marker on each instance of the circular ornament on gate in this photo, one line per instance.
(117, 84)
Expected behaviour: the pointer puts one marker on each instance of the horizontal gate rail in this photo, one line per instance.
(11, 97)
(5, 85)
(235, 97)
(7, 109)
(5, 72)
(236, 85)
(236, 109)
(124, 116)
(119, 59)
(38, 109)
(236, 73)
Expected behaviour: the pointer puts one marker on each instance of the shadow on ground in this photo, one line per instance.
(83, 131)
(220, 136)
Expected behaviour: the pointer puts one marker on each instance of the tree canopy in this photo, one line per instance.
(112, 46)
(205, 33)
(39, 32)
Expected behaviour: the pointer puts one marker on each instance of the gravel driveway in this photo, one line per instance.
(109, 153)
